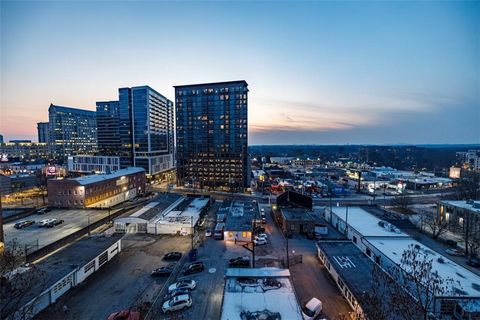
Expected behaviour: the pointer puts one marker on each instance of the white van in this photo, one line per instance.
(312, 309)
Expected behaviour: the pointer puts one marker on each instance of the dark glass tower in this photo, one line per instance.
(43, 132)
(212, 135)
(108, 128)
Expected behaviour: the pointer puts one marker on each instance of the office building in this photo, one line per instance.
(96, 164)
(1, 138)
(139, 129)
(108, 128)
(72, 131)
(212, 135)
(20, 151)
(43, 132)
(96, 191)
(469, 159)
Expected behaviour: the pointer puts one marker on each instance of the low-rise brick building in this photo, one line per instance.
(97, 191)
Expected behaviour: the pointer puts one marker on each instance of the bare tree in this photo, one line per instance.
(409, 289)
(16, 281)
(434, 222)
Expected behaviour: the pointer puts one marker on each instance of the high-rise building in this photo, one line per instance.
(139, 128)
(212, 135)
(43, 132)
(108, 128)
(72, 131)
(1, 138)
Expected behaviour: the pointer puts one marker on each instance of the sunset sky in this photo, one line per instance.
(318, 72)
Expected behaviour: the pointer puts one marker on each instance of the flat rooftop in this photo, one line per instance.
(154, 209)
(365, 223)
(296, 214)
(394, 248)
(240, 215)
(59, 264)
(187, 212)
(463, 204)
(248, 294)
(351, 264)
(94, 178)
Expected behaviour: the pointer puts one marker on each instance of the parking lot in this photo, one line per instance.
(36, 237)
(122, 283)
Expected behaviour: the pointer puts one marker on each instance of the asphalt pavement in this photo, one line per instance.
(36, 237)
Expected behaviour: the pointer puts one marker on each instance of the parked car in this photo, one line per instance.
(162, 271)
(23, 224)
(177, 303)
(312, 309)
(262, 235)
(182, 284)
(260, 241)
(124, 315)
(172, 256)
(240, 262)
(43, 210)
(262, 211)
(45, 222)
(208, 233)
(454, 252)
(54, 222)
(473, 262)
(174, 293)
(194, 268)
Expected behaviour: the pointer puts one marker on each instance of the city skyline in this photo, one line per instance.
(321, 73)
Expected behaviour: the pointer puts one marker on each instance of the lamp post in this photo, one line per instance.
(193, 229)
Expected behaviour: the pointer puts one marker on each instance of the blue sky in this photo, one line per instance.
(319, 72)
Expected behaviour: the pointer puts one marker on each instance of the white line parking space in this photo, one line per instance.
(36, 236)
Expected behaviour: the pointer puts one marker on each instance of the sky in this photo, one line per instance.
(318, 72)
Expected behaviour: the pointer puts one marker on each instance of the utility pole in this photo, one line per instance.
(192, 228)
(288, 255)
(2, 240)
(346, 221)
(254, 229)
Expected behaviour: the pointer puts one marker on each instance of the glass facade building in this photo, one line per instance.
(212, 135)
(142, 123)
(43, 132)
(108, 128)
(72, 131)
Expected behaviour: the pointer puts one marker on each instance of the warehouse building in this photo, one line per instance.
(351, 270)
(385, 244)
(97, 191)
(169, 214)
(62, 271)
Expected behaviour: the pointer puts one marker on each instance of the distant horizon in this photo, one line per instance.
(318, 72)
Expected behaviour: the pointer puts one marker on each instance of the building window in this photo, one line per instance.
(103, 258)
(89, 266)
(354, 239)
